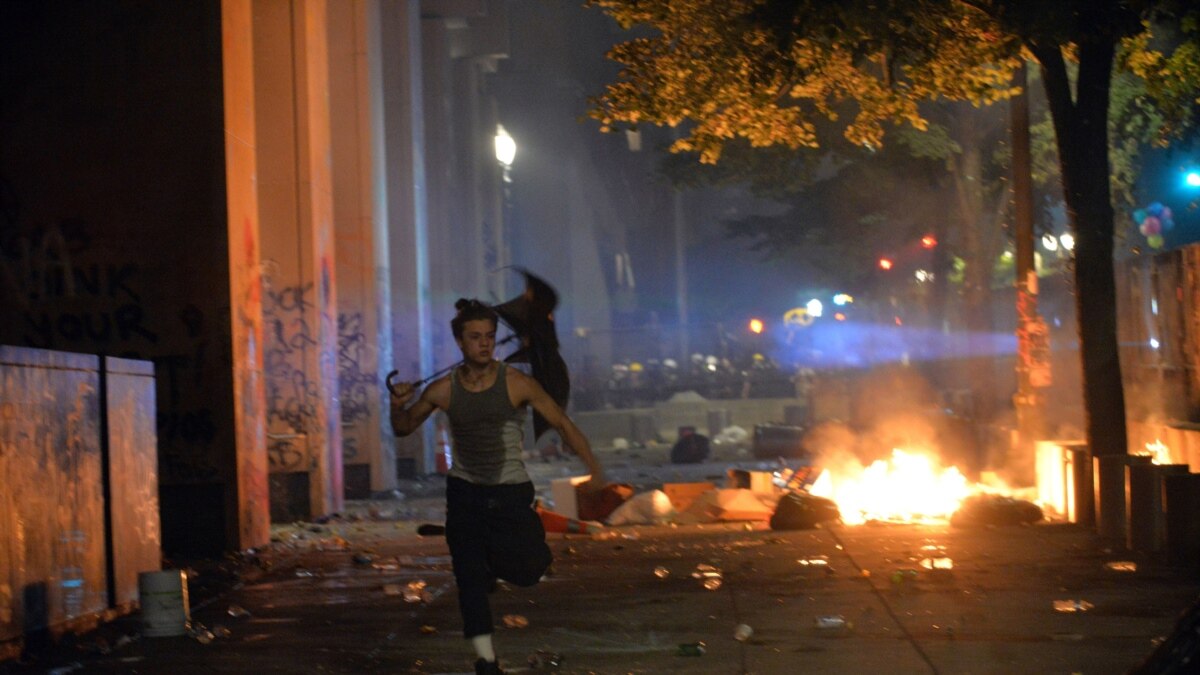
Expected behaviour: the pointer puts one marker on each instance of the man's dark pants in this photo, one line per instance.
(493, 532)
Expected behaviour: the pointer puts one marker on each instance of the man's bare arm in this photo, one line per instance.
(545, 406)
(407, 420)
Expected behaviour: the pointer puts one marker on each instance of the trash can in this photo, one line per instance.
(164, 600)
(644, 430)
(718, 419)
(795, 415)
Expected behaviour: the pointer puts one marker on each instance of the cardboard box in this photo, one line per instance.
(562, 491)
(683, 494)
(758, 482)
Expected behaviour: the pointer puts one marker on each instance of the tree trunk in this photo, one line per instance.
(1081, 127)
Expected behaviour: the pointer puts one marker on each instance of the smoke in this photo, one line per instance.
(893, 407)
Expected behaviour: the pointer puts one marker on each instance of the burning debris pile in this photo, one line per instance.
(911, 487)
(908, 487)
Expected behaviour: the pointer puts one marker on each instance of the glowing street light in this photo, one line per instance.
(815, 307)
(756, 326)
(506, 147)
(1068, 241)
(842, 299)
(1049, 242)
(1192, 179)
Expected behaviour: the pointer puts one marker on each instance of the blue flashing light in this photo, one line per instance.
(1192, 179)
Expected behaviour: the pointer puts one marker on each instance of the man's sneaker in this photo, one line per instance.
(483, 667)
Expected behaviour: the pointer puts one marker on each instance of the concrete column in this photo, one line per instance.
(447, 280)
(404, 167)
(473, 153)
(251, 510)
(359, 218)
(291, 63)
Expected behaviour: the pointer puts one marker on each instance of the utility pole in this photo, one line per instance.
(681, 294)
(1033, 360)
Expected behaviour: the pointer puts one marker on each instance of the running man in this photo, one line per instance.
(491, 526)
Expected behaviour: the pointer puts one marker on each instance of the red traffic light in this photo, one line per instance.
(928, 241)
(885, 263)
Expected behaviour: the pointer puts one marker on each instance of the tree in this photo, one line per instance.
(764, 70)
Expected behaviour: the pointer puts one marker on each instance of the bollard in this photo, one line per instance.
(1142, 493)
(1183, 520)
(1109, 481)
(1160, 511)
(1082, 506)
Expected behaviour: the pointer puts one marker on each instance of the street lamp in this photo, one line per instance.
(506, 147)
(496, 253)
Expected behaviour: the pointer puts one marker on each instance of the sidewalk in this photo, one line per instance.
(606, 611)
(330, 598)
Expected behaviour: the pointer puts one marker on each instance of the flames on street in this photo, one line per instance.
(908, 487)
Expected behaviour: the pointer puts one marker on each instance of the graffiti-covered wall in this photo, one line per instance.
(236, 191)
(112, 219)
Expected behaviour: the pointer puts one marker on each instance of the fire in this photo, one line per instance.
(1158, 452)
(909, 487)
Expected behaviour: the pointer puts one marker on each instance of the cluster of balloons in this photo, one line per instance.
(1153, 221)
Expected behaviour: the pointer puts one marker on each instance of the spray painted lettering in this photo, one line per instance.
(356, 385)
(285, 452)
(291, 396)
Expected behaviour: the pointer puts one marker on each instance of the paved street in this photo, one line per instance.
(604, 610)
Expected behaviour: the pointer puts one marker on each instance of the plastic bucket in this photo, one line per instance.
(164, 600)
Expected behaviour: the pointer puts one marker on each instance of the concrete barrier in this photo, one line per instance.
(602, 426)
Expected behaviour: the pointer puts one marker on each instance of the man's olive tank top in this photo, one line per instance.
(487, 432)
